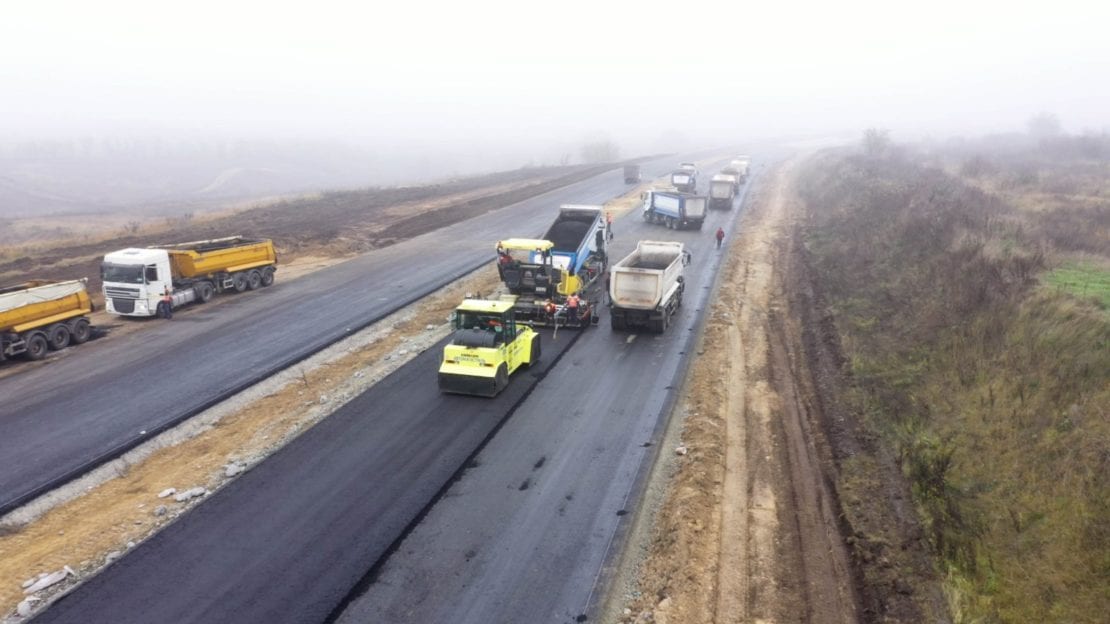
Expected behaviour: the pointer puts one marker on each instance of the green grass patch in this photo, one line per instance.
(1084, 281)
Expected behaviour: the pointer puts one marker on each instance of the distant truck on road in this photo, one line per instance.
(674, 210)
(136, 279)
(722, 188)
(631, 174)
(646, 286)
(685, 181)
(39, 316)
(741, 164)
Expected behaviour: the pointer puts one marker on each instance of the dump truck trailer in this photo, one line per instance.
(741, 164)
(631, 174)
(646, 286)
(674, 210)
(684, 181)
(722, 188)
(39, 316)
(136, 279)
(545, 273)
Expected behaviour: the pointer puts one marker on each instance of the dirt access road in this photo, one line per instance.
(747, 529)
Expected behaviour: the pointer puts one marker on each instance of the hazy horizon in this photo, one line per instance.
(480, 86)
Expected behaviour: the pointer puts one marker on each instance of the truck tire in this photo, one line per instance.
(80, 331)
(267, 276)
(36, 346)
(616, 322)
(205, 291)
(57, 336)
(536, 349)
(239, 281)
(254, 279)
(502, 378)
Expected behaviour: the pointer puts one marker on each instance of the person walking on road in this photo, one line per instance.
(165, 306)
(720, 237)
(609, 225)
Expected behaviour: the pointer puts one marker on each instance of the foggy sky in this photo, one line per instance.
(428, 74)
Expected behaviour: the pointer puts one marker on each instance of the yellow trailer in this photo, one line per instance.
(41, 315)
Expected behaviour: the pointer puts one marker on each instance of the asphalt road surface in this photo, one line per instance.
(491, 550)
(92, 404)
(522, 531)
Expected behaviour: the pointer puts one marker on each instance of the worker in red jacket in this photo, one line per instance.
(720, 237)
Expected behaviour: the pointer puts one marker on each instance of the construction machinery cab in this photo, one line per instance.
(488, 327)
(526, 265)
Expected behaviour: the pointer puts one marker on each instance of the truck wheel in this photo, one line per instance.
(205, 291)
(57, 336)
(239, 282)
(502, 378)
(617, 323)
(36, 346)
(536, 349)
(254, 280)
(80, 331)
(267, 276)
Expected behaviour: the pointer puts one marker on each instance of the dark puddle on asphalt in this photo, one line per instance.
(539, 463)
(524, 486)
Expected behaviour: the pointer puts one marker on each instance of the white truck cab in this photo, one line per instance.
(135, 280)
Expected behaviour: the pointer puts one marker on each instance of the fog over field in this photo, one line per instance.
(118, 102)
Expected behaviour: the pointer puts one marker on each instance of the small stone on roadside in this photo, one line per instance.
(112, 556)
(160, 510)
(29, 582)
(130, 544)
(234, 470)
(680, 450)
(323, 399)
(429, 326)
(190, 493)
(167, 492)
(24, 608)
(46, 581)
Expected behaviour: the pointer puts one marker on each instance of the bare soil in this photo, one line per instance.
(751, 526)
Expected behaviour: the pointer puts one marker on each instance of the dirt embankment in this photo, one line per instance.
(751, 528)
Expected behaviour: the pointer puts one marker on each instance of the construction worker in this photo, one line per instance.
(165, 306)
(572, 308)
(720, 237)
(609, 225)
(550, 309)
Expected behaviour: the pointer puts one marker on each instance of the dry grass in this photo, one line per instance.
(993, 390)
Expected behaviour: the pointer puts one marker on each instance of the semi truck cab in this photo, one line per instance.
(135, 280)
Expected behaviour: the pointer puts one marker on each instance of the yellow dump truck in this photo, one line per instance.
(39, 316)
(136, 279)
(488, 345)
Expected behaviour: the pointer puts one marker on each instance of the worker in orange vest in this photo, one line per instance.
(572, 308)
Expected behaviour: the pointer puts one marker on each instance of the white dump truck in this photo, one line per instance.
(722, 188)
(645, 287)
(136, 279)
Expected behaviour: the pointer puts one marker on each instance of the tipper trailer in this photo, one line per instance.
(545, 273)
(674, 210)
(722, 188)
(136, 279)
(488, 345)
(646, 286)
(685, 181)
(38, 316)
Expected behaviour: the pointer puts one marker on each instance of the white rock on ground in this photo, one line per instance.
(160, 510)
(112, 556)
(24, 607)
(234, 470)
(29, 582)
(190, 493)
(681, 450)
(167, 492)
(48, 580)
